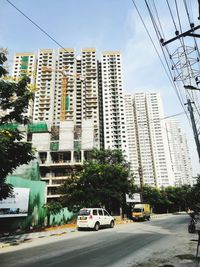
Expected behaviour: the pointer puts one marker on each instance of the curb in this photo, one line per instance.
(13, 240)
(161, 215)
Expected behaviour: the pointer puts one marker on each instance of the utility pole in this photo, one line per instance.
(190, 33)
(196, 136)
(141, 183)
(199, 9)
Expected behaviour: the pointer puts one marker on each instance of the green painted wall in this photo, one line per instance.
(28, 176)
(36, 212)
(28, 172)
(63, 217)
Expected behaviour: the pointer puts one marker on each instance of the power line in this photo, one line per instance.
(174, 115)
(159, 35)
(151, 40)
(157, 15)
(186, 62)
(175, 69)
(170, 10)
(187, 11)
(35, 24)
(179, 20)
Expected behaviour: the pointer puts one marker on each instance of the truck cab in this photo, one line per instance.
(141, 212)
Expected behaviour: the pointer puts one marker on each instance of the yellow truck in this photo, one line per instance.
(141, 212)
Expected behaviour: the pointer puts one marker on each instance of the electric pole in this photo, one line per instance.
(141, 183)
(196, 136)
(186, 71)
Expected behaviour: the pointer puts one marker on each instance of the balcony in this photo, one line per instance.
(66, 163)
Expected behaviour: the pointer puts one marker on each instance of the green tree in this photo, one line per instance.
(103, 182)
(52, 208)
(178, 197)
(14, 101)
(169, 199)
(164, 203)
(194, 195)
(152, 196)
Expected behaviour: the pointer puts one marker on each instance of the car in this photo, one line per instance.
(94, 218)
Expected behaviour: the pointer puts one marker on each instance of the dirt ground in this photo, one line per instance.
(181, 254)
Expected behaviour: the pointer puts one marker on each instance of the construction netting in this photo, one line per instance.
(28, 171)
(67, 103)
(54, 146)
(39, 127)
(9, 126)
(24, 66)
(77, 145)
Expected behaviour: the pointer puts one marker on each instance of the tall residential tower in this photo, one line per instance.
(148, 145)
(179, 153)
(115, 134)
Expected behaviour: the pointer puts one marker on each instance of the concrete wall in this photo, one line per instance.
(41, 141)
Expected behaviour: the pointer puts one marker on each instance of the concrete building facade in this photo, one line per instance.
(78, 106)
(179, 153)
(115, 134)
(148, 145)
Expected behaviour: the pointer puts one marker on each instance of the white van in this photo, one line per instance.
(94, 218)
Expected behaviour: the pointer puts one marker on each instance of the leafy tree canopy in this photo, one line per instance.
(14, 101)
(194, 196)
(169, 199)
(103, 182)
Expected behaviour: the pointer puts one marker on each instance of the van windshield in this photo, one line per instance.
(137, 210)
(84, 212)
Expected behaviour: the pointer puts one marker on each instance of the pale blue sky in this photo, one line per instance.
(105, 25)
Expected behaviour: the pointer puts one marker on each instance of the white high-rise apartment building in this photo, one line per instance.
(179, 153)
(148, 147)
(78, 105)
(115, 134)
(132, 137)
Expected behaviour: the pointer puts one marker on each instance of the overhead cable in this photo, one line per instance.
(158, 34)
(151, 39)
(35, 24)
(166, 61)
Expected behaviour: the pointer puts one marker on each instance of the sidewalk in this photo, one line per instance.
(8, 239)
(16, 239)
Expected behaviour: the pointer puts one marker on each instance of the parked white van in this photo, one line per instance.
(94, 218)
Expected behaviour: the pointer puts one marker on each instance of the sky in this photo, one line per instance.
(104, 25)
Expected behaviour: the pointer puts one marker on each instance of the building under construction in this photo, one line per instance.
(69, 116)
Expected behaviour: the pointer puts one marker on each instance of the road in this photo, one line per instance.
(125, 245)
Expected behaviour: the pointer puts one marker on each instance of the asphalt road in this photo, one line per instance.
(125, 245)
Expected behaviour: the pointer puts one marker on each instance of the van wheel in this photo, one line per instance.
(112, 224)
(96, 227)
